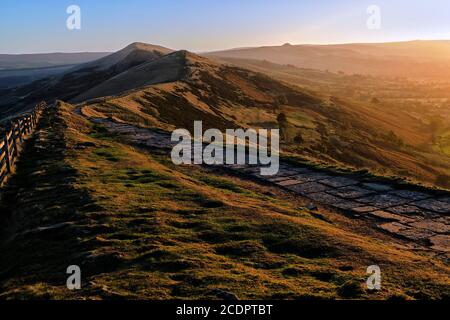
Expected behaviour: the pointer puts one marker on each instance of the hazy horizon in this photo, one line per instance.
(201, 26)
(231, 48)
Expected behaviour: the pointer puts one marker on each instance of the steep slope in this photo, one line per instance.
(79, 79)
(134, 53)
(421, 59)
(166, 69)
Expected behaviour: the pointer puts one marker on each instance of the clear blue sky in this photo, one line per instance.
(28, 26)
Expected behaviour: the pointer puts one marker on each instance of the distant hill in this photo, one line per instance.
(79, 79)
(419, 59)
(21, 69)
(42, 60)
(11, 78)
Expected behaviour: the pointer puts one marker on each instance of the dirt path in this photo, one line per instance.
(419, 215)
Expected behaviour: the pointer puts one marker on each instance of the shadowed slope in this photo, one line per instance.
(78, 80)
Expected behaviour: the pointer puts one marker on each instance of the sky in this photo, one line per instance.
(30, 26)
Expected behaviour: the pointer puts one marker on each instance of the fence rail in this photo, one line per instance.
(16, 133)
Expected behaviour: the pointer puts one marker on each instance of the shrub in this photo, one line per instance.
(350, 289)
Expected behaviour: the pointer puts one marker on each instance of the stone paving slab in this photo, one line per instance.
(311, 177)
(289, 182)
(434, 205)
(445, 199)
(378, 187)
(391, 217)
(325, 198)
(365, 209)
(440, 243)
(287, 173)
(392, 227)
(410, 195)
(276, 179)
(383, 200)
(402, 230)
(309, 187)
(432, 226)
(338, 182)
(347, 205)
(301, 170)
(351, 192)
(415, 234)
(407, 210)
(444, 220)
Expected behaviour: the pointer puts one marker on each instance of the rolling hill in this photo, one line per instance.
(141, 227)
(416, 59)
(78, 79)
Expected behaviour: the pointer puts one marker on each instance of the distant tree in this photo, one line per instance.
(282, 99)
(276, 105)
(283, 125)
(393, 138)
(282, 118)
(299, 138)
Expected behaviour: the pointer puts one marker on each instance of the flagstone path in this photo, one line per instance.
(413, 213)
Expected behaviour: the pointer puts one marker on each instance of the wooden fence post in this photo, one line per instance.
(28, 124)
(19, 124)
(7, 156)
(31, 120)
(25, 125)
(18, 130)
(14, 141)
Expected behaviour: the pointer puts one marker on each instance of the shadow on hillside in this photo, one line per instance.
(41, 225)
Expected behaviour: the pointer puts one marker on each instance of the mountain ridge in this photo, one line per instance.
(405, 59)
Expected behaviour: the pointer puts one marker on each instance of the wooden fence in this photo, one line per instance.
(16, 133)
